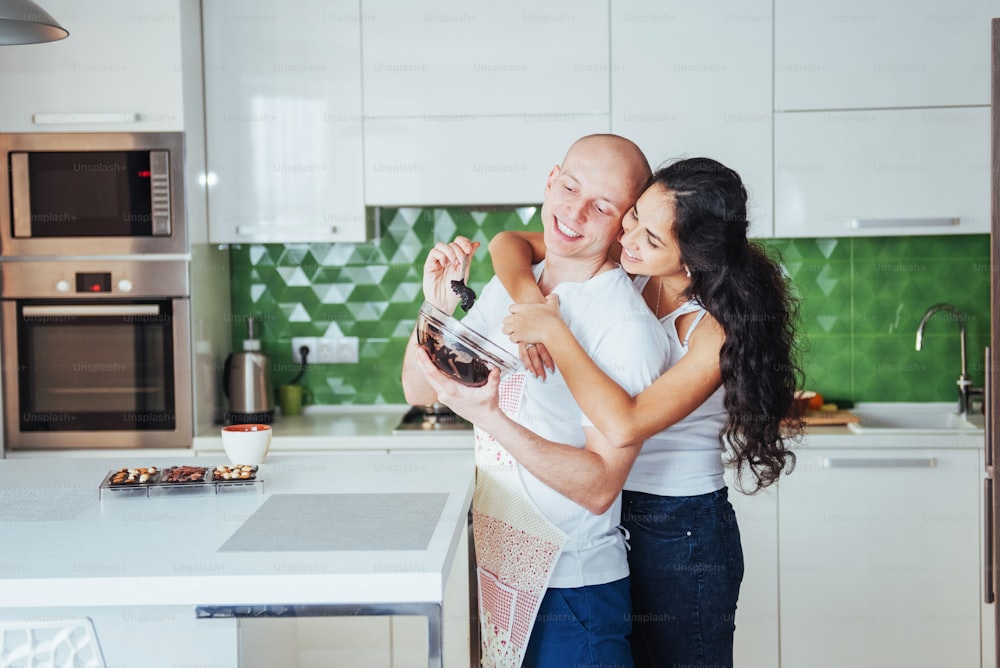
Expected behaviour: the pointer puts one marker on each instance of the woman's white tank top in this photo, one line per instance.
(684, 459)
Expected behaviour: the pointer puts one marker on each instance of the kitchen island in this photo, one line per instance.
(352, 535)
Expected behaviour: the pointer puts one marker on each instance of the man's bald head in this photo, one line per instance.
(615, 155)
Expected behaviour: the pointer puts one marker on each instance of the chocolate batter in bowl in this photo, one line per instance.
(459, 351)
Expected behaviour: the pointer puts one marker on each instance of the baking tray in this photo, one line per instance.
(157, 488)
(237, 485)
(126, 490)
(164, 487)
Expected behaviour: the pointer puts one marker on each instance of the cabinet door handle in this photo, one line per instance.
(988, 413)
(876, 223)
(990, 594)
(90, 310)
(878, 463)
(305, 231)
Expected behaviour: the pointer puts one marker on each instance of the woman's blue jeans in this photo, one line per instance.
(686, 565)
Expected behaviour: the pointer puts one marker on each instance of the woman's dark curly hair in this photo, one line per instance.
(747, 293)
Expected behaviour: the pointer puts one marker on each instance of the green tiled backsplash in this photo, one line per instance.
(861, 301)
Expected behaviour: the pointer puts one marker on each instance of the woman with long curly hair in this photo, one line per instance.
(730, 319)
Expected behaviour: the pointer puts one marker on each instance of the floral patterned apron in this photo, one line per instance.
(516, 545)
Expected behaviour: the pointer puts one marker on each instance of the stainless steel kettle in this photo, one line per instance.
(246, 382)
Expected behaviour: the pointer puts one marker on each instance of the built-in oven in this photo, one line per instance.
(96, 354)
(84, 194)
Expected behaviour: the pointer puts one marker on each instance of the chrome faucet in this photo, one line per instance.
(965, 389)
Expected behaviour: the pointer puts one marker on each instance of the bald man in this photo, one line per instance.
(553, 574)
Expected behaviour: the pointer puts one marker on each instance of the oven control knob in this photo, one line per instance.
(62, 286)
(125, 285)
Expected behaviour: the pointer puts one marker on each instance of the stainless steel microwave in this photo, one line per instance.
(79, 194)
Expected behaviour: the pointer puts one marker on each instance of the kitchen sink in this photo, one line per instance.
(918, 417)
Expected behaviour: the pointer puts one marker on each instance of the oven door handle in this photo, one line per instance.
(92, 310)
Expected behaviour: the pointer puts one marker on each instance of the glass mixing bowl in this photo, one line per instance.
(460, 351)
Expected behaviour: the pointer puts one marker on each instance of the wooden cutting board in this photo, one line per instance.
(827, 418)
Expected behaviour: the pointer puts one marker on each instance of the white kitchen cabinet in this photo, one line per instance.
(884, 172)
(306, 642)
(694, 79)
(473, 104)
(283, 119)
(891, 53)
(880, 559)
(409, 634)
(467, 159)
(124, 67)
(756, 640)
(372, 642)
(895, 129)
(453, 58)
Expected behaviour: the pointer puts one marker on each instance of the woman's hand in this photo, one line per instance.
(478, 405)
(530, 326)
(447, 262)
(536, 358)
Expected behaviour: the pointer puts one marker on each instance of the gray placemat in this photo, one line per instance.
(334, 522)
(43, 504)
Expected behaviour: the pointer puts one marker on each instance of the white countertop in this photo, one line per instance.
(364, 428)
(165, 551)
(367, 428)
(845, 437)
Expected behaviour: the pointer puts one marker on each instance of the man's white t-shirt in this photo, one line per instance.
(613, 324)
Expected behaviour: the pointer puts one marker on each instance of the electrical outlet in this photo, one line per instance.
(325, 351)
(346, 351)
(307, 341)
(340, 350)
